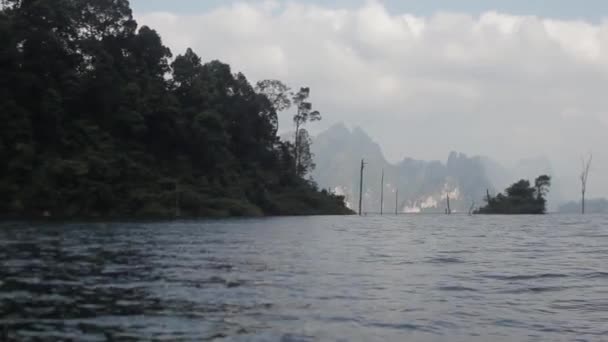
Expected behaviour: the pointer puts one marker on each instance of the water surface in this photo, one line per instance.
(415, 278)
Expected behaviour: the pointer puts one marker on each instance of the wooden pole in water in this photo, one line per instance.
(361, 185)
(382, 194)
(449, 211)
(397, 202)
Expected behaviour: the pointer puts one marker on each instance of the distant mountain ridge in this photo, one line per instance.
(423, 185)
(592, 206)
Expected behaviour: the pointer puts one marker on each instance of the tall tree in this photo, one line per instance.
(101, 19)
(278, 95)
(304, 114)
(542, 184)
(306, 163)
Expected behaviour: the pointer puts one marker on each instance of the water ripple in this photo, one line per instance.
(445, 260)
(526, 276)
(414, 278)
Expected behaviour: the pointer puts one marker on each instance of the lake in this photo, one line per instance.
(406, 278)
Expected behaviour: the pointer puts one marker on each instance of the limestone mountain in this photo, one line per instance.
(423, 185)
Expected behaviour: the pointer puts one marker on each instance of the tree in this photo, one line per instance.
(303, 115)
(542, 184)
(306, 163)
(150, 56)
(521, 198)
(278, 96)
(186, 69)
(100, 19)
(584, 177)
(277, 93)
(520, 189)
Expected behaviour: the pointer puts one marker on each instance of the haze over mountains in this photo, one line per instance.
(423, 185)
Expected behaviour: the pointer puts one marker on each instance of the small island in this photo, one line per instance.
(521, 199)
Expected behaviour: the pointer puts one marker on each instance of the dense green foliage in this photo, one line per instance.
(520, 198)
(99, 120)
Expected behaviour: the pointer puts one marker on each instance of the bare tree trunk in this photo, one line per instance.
(584, 177)
(296, 147)
(583, 203)
(448, 211)
(397, 201)
(382, 193)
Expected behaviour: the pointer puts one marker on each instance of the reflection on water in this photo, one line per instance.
(423, 278)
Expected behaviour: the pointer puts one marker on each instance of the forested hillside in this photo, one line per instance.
(100, 120)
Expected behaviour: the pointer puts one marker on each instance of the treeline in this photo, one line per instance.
(592, 206)
(99, 120)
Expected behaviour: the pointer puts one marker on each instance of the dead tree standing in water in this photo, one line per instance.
(584, 177)
(448, 210)
(382, 194)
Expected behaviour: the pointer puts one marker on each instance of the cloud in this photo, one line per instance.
(495, 84)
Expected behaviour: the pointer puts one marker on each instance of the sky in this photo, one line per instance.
(511, 79)
(563, 9)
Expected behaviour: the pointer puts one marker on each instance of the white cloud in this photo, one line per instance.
(495, 84)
